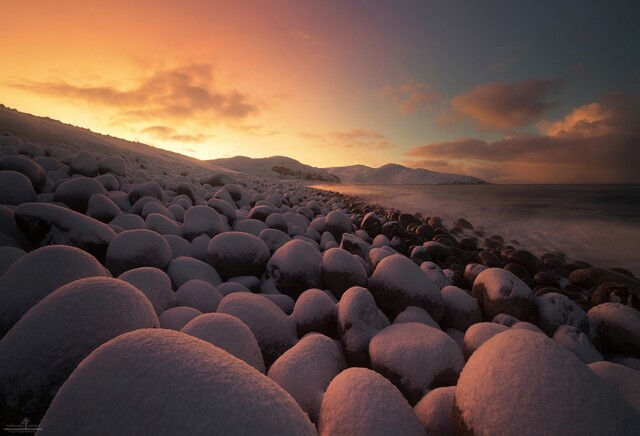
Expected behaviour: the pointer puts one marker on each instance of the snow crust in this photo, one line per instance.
(164, 382)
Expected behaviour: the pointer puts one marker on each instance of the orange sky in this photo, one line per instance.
(328, 83)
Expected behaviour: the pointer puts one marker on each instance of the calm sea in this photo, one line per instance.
(599, 224)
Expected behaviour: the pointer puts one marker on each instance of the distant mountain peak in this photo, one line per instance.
(276, 167)
(396, 174)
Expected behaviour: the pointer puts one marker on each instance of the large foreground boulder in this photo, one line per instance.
(524, 383)
(39, 273)
(163, 382)
(46, 345)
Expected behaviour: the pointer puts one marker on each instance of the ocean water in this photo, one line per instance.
(599, 224)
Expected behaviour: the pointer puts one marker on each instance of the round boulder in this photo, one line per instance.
(235, 254)
(135, 248)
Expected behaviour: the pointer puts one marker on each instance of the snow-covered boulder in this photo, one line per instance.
(315, 311)
(34, 172)
(39, 273)
(76, 192)
(16, 188)
(112, 164)
(229, 333)
(235, 254)
(461, 310)
(359, 319)
(434, 411)
(274, 239)
(337, 223)
(164, 382)
(102, 208)
(200, 295)
(524, 383)
(85, 164)
(618, 326)
(200, 220)
(154, 284)
(362, 402)
(556, 309)
(577, 342)
(398, 282)
(44, 347)
(135, 248)
(478, 334)
(273, 329)
(625, 380)
(295, 267)
(500, 291)
(306, 369)
(47, 224)
(416, 358)
(341, 271)
(435, 273)
(416, 314)
(182, 269)
(178, 317)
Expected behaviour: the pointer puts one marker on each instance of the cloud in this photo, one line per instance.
(506, 106)
(352, 138)
(254, 129)
(179, 93)
(171, 134)
(306, 37)
(408, 96)
(597, 142)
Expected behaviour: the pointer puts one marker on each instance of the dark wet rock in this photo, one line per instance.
(391, 229)
(546, 279)
(614, 293)
(489, 259)
(372, 224)
(517, 269)
(618, 327)
(463, 224)
(591, 278)
(437, 251)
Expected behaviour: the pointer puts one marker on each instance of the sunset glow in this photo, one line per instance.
(506, 92)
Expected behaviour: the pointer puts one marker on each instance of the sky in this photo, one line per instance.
(512, 92)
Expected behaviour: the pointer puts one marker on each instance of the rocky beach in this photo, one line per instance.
(145, 292)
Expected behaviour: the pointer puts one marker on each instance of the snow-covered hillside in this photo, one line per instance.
(394, 174)
(275, 166)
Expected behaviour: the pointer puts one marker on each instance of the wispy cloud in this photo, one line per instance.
(305, 37)
(254, 129)
(409, 95)
(596, 142)
(171, 134)
(351, 138)
(505, 106)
